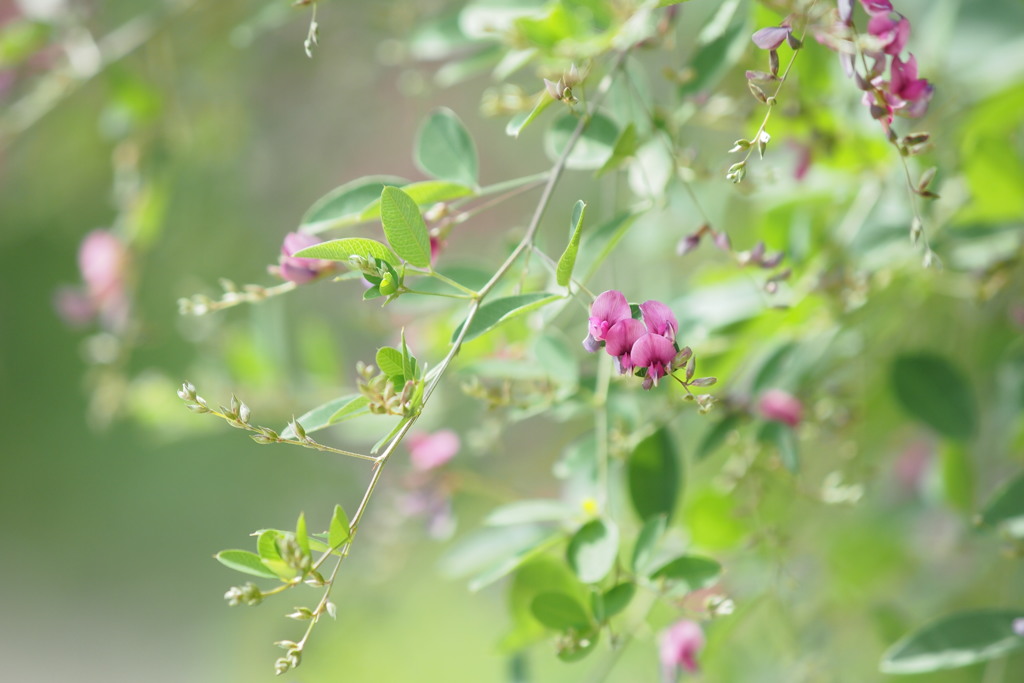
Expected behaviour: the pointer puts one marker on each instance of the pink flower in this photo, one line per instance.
(620, 340)
(781, 406)
(679, 645)
(428, 451)
(654, 352)
(770, 38)
(877, 6)
(102, 259)
(908, 87)
(300, 270)
(608, 308)
(659, 319)
(891, 33)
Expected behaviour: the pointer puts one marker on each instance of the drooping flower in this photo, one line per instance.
(678, 648)
(428, 451)
(296, 269)
(771, 37)
(659, 319)
(905, 84)
(620, 341)
(608, 308)
(655, 353)
(892, 34)
(781, 406)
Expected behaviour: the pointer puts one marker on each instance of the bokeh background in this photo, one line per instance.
(203, 130)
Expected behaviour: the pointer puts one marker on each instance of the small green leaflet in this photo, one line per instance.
(559, 611)
(404, 227)
(498, 311)
(245, 562)
(958, 640)
(343, 249)
(563, 273)
(1006, 508)
(339, 532)
(445, 150)
(592, 550)
(389, 361)
(520, 121)
(329, 413)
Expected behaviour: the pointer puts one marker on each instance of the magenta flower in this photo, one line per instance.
(781, 406)
(891, 33)
(620, 340)
(428, 451)
(771, 37)
(678, 648)
(655, 353)
(300, 270)
(877, 6)
(608, 308)
(659, 319)
(905, 84)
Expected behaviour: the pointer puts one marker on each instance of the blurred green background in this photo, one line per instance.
(209, 138)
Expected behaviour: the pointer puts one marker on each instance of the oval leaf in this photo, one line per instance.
(343, 249)
(933, 391)
(688, 573)
(654, 476)
(245, 562)
(563, 273)
(498, 311)
(404, 227)
(445, 150)
(958, 640)
(559, 611)
(344, 205)
(646, 541)
(389, 361)
(613, 601)
(592, 550)
(339, 531)
(323, 415)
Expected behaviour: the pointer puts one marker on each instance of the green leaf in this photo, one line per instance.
(520, 121)
(612, 601)
(594, 146)
(424, 193)
(530, 511)
(563, 273)
(688, 573)
(592, 550)
(782, 438)
(344, 205)
(498, 311)
(721, 49)
(651, 532)
(955, 641)
(343, 249)
(654, 476)
(932, 390)
(245, 562)
(492, 547)
(626, 146)
(357, 407)
(301, 534)
(1006, 508)
(445, 150)
(266, 546)
(389, 361)
(339, 531)
(717, 435)
(541, 574)
(404, 227)
(328, 413)
(409, 367)
(560, 611)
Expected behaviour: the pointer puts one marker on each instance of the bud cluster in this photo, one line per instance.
(247, 594)
(562, 89)
(384, 397)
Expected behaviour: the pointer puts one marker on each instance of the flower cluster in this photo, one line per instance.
(645, 346)
(904, 94)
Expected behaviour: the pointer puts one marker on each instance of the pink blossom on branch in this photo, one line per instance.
(655, 353)
(679, 645)
(659, 319)
(428, 451)
(620, 340)
(296, 269)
